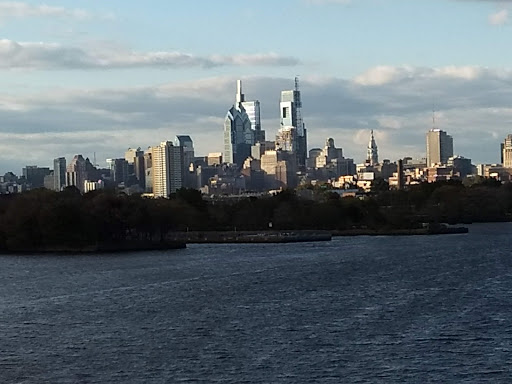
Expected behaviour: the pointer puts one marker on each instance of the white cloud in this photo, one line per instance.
(39, 55)
(499, 18)
(10, 9)
(382, 75)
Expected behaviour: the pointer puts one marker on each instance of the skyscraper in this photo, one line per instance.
(187, 145)
(506, 152)
(252, 108)
(35, 175)
(76, 173)
(167, 169)
(291, 136)
(372, 153)
(59, 173)
(238, 134)
(439, 147)
(186, 142)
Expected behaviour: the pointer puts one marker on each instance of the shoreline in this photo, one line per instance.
(106, 247)
(241, 237)
(402, 232)
(179, 240)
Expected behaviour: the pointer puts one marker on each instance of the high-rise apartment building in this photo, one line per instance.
(291, 136)
(439, 147)
(506, 152)
(238, 133)
(59, 173)
(167, 169)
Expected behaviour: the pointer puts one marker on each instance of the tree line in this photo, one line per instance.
(43, 218)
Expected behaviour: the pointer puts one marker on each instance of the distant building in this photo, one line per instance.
(131, 154)
(214, 158)
(148, 170)
(461, 165)
(90, 186)
(329, 162)
(259, 148)
(506, 152)
(372, 153)
(119, 171)
(280, 169)
(59, 173)
(252, 108)
(439, 147)
(49, 181)
(76, 173)
(187, 144)
(292, 134)
(34, 176)
(238, 134)
(167, 169)
(441, 173)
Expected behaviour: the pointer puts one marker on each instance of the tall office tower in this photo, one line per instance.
(238, 135)
(59, 173)
(506, 152)
(186, 143)
(372, 154)
(188, 148)
(76, 173)
(439, 147)
(252, 108)
(167, 169)
(292, 135)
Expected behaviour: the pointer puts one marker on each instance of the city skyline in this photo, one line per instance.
(83, 78)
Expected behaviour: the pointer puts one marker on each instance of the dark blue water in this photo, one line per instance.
(356, 310)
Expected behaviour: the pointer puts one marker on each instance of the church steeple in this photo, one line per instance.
(372, 156)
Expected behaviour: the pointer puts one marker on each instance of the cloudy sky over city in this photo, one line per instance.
(90, 76)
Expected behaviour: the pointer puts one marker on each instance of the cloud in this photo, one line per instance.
(472, 104)
(33, 55)
(499, 18)
(17, 9)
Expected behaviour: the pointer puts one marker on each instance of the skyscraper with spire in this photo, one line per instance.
(439, 145)
(291, 136)
(372, 154)
(240, 132)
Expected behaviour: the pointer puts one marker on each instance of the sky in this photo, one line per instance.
(96, 77)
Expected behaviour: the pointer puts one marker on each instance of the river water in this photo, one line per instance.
(355, 310)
